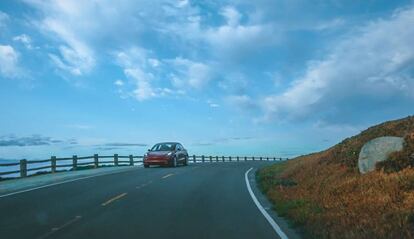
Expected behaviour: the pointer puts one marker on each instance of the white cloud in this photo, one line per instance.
(327, 25)
(141, 69)
(227, 35)
(154, 62)
(232, 15)
(9, 62)
(75, 56)
(194, 74)
(145, 74)
(369, 71)
(119, 83)
(77, 28)
(25, 39)
(182, 3)
(233, 39)
(85, 31)
(242, 102)
(234, 82)
(212, 104)
(132, 57)
(142, 79)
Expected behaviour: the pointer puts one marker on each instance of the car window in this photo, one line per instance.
(163, 147)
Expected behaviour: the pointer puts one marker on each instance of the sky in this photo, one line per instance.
(265, 77)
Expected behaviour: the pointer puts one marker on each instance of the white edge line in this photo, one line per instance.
(274, 225)
(63, 182)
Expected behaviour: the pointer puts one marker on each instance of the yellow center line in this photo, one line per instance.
(113, 199)
(55, 229)
(168, 175)
(143, 185)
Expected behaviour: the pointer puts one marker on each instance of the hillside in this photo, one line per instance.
(326, 197)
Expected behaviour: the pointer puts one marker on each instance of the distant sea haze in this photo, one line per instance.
(3, 160)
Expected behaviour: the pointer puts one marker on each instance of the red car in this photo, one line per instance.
(168, 154)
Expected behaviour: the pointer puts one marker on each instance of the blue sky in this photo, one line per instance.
(280, 77)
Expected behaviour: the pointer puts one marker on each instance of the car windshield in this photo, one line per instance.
(163, 147)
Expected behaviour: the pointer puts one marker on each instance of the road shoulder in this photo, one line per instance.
(266, 204)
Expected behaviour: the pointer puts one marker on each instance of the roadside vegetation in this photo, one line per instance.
(324, 196)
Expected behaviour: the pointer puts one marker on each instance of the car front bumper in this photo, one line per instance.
(157, 161)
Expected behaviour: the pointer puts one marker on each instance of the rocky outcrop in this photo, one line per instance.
(377, 150)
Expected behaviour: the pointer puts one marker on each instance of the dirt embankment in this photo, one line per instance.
(326, 197)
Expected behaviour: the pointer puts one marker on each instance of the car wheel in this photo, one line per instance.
(146, 166)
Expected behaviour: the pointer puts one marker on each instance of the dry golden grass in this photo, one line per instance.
(325, 194)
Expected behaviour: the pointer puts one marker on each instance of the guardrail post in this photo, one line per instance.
(116, 159)
(222, 157)
(95, 160)
(23, 168)
(194, 159)
(202, 158)
(267, 158)
(230, 158)
(131, 160)
(237, 158)
(53, 164)
(74, 162)
(216, 158)
(261, 158)
(211, 159)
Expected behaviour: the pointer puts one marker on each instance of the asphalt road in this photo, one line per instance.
(197, 201)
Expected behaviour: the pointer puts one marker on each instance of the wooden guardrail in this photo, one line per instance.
(115, 160)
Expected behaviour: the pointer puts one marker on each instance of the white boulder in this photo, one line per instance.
(377, 150)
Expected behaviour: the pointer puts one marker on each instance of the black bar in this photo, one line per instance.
(96, 160)
(9, 172)
(53, 163)
(8, 164)
(131, 160)
(75, 162)
(38, 161)
(116, 159)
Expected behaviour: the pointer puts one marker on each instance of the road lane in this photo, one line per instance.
(40, 210)
(198, 201)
